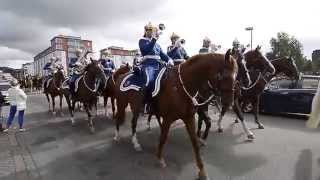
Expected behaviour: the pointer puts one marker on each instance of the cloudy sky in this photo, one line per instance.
(27, 26)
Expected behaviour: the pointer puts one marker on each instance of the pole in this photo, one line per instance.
(251, 39)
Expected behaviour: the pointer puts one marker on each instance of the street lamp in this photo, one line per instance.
(250, 29)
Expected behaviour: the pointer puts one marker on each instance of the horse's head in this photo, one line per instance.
(94, 70)
(256, 60)
(287, 66)
(226, 78)
(122, 70)
(243, 75)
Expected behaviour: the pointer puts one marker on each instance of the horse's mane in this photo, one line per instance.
(216, 58)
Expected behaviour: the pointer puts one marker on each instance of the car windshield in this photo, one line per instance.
(309, 83)
(4, 87)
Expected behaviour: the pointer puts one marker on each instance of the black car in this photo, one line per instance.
(4, 86)
(286, 96)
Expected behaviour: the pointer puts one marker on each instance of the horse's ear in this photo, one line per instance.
(258, 48)
(243, 50)
(227, 56)
(91, 59)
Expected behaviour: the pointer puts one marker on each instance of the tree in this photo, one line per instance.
(307, 66)
(284, 45)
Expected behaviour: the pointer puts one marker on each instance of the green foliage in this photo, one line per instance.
(286, 45)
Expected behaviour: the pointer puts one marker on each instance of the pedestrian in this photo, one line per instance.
(314, 119)
(17, 99)
(2, 101)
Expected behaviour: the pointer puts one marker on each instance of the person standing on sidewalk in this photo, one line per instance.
(17, 99)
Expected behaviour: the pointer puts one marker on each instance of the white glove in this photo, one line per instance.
(170, 62)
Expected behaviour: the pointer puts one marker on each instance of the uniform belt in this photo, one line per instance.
(151, 57)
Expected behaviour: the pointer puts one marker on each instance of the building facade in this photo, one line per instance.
(62, 47)
(119, 55)
(28, 69)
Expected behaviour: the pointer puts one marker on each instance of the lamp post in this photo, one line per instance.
(250, 29)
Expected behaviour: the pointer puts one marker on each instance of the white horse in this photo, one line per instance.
(314, 119)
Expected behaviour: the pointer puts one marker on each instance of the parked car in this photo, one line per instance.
(289, 97)
(4, 86)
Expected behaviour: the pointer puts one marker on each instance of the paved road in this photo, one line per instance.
(51, 149)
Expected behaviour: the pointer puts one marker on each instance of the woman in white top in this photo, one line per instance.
(314, 119)
(17, 99)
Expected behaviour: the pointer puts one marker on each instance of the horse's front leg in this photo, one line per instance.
(61, 100)
(165, 126)
(113, 106)
(255, 105)
(237, 110)
(90, 122)
(53, 104)
(190, 125)
(47, 95)
(135, 110)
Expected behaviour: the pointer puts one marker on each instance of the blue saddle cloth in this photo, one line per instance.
(139, 79)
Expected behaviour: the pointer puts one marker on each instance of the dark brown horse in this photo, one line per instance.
(252, 94)
(109, 90)
(242, 79)
(54, 89)
(87, 92)
(255, 60)
(176, 99)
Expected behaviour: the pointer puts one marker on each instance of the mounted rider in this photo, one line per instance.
(137, 59)
(208, 47)
(107, 64)
(176, 50)
(50, 68)
(153, 57)
(76, 67)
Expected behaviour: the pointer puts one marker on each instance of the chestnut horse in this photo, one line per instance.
(87, 91)
(109, 90)
(252, 94)
(54, 89)
(176, 97)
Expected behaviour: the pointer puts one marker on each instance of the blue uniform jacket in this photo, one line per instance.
(177, 53)
(47, 66)
(107, 64)
(72, 62)
(151, 47)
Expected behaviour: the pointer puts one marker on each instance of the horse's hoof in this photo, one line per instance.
(162, 163)
(92, 130)
(116, 139)
(202, 142)
(138, 148)
(236, 121)
(260, 126)
(220, 130)
(251, 137)
(54, 113)
(203, 178)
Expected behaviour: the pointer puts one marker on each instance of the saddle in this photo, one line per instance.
(138, 80)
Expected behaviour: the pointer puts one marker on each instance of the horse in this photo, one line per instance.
(257, 61)
(242, 79)
(53, 88)
(87, 91)
(285, 65)
(109, 90)
(176, 98)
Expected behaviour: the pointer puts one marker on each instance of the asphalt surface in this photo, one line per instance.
(51, 149)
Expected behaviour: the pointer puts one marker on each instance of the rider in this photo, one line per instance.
(153, 56)
(208, 47)
(235, 45)
(49, 69)
(137, 59)
(76, 66)
(108, 65)
(176, 51)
